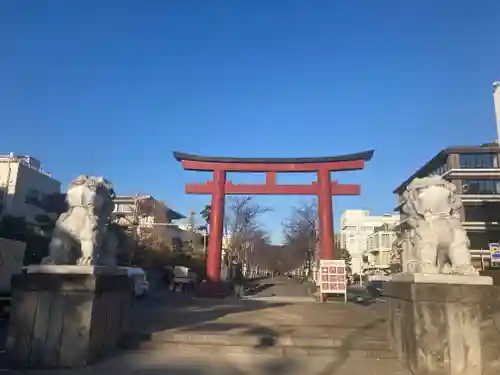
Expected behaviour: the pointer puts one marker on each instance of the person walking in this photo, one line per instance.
(238, 282)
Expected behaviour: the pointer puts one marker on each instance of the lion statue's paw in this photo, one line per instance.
(48, 261)
(466, 269)
(85, 261)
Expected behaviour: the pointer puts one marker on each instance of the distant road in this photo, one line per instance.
(281, 286)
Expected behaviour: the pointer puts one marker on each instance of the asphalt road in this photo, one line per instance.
(292, 288)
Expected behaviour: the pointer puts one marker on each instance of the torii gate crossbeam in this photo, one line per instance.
(219, 187)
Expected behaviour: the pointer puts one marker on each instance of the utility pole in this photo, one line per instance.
(191, 227)
(205, 234)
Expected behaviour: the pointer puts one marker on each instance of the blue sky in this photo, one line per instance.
(113, 87)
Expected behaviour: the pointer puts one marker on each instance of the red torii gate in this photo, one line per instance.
(219, 187)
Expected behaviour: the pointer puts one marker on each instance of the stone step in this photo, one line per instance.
(263, 344)
(269, 351)
(263, 339)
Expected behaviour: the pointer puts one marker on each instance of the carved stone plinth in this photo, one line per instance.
(66, 316)
(445, 329)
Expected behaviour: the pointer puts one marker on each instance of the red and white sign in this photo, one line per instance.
(332, 276)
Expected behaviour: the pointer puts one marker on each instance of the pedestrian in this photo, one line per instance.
(238, 282)
(167, 277)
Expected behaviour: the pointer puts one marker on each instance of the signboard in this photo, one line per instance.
(495, 254)
(332, 275)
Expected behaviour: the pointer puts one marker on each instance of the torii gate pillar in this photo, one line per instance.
(325, 208)
(214, 254)
(324, 188)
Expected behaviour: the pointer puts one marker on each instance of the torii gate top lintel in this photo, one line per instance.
(347, 162)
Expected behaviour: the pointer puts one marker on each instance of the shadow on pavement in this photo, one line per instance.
(165, 311)
(257, 289)
(274, 367)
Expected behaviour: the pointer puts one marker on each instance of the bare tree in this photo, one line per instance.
(241, 225)
(253, 252)
(154, 246)
(395, 260)
(268, 256)
(299, 232)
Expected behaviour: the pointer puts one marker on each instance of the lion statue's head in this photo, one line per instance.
(95, 193)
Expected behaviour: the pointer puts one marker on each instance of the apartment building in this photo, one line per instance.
(475, 172)
(377, 257)
(23, 186)
(143, 210)
(356, 227)
(145, 213)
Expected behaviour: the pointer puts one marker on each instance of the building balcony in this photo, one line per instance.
(374, 266)
(466, 198)
(458, 173)
(481, 225)
(378, 250)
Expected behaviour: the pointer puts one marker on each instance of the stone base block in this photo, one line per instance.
(446, 329)
(430, 278)
(66, 318)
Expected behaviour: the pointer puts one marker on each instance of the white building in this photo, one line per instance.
(377, 257)
(23, 185)
(355, 227)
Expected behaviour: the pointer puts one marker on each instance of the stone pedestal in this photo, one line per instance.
(445, 324)
(66, 316)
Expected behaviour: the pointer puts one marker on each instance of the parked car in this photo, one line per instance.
(185, 278)
(376, 288)
(359, 294)
(141, 284)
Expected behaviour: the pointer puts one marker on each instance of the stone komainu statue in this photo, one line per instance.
(440, 244)
(81, 234)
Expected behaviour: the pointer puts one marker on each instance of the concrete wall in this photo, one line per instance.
(11, 261)
(30, 181)
(20, 182)
(8, 180)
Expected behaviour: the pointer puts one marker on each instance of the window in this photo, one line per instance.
(478, 161)
(33, 197)
(481, 240)
(121, 207)
(481, 186)
(485, 211)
